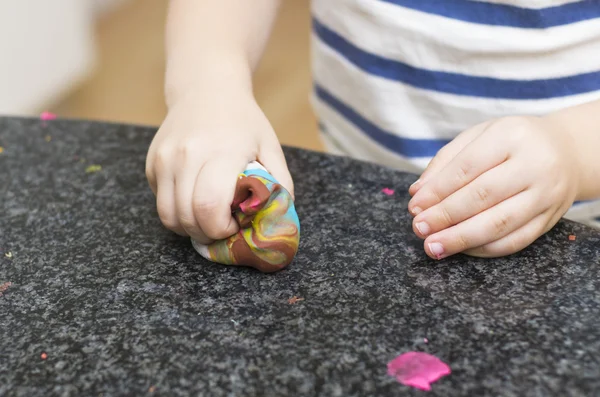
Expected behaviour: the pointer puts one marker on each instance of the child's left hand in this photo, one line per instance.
(496, 188)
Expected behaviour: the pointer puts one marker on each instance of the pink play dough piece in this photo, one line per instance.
(46, 116)
(417, 369)
(387, 191)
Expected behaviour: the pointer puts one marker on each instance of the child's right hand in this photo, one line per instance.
(194, 161)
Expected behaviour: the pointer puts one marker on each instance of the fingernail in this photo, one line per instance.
(436, 249)
(423, 228)
(416, 211)
(415, 182)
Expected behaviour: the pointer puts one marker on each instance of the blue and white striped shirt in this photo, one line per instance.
(396, 80)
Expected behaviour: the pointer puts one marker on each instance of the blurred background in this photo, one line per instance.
(104, 60)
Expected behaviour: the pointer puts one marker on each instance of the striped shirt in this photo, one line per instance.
(396, 80)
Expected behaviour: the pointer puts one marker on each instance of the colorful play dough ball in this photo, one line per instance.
(269, 232)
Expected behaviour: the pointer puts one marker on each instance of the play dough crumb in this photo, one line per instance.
(48, 138)
(46, 116)
(417, 369)
(294, 299)
(93, 168)
(1, 149)
(44, 356)
(8, 255)
(572, 237)
(4, 287)
(387, 191)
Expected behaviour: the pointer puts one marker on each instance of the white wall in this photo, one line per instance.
(46, 48)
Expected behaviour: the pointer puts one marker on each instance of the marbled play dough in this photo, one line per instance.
(269, 226)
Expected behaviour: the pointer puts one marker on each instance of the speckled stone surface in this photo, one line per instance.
(123, 307)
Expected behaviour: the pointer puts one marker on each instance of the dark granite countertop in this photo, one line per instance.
(120, 306)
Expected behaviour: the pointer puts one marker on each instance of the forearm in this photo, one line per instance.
(582, 123)
(215, 43)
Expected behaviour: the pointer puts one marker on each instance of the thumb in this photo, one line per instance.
(273, 159)
(213, 194)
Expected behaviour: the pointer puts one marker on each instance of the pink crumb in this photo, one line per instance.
(417, 369)
(425, 340)
(46, 116)
(4, 287)
(387, 191)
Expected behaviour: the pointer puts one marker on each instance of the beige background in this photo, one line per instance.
(127, 85)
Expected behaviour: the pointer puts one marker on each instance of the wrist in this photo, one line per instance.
(211, 76)
(577, 127)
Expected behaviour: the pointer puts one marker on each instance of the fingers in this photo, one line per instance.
(446, 154)
(184, 190)
(487, 190)
(481, 155)
(165, 201)
(273, 159)
(196, 202)
(517, 240)
(196, 197)
(150, 173)
(212, 195)
(486, 227)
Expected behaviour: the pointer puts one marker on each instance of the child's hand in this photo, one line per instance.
(496, 188)
(194, 161)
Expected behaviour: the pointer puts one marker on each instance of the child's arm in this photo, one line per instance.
(214, 43)
(214, 126)
(500, 185)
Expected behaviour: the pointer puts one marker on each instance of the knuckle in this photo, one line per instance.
(216, 231)
(149, 172)
(188, 223)
(217, 234)
(444, 152)
(482, 194)
(204, 206)
(167, 217)
(150, 176)
(482, 251)
(434, 193)
(446, 217)
(514, 124)
(552, 162)
(185, 151)
(162, 156)
(440, 153)
(464, 171)
(501, 224)
(515, 137)
(207, 210)
(515, 243)
(518, 128)
(462, 243)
